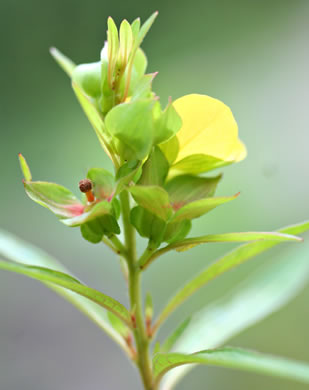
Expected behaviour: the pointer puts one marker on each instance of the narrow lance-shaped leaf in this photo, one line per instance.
(64, 62)
(60, 279)
(189, 243)
(235, 358)
(19, 251)
(174, 337)
(225, 263)
(266, 290)
(94, 118)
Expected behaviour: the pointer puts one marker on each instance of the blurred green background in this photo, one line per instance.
(253, 55)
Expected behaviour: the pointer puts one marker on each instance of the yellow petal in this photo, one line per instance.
(208, 127)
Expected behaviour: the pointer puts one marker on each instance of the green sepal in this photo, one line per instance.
(198, 163)
(94, 230)
(170, 149)
(95, 211)
(112, 46)
(185, 189)
(176, 231)
(142, 88)
(55, 197)
(127, 173)
(64, 62)
(135, 26)
(148, 225)
(125, 42)
(200, 207)
(144, 29)
(24, 167)
(132, 124)
(167, 124)
(154, 199)
(138, 70)
(103, 183)
(88, 77)
(155, 169)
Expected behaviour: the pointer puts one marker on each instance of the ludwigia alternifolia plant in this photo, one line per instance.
(158, 187)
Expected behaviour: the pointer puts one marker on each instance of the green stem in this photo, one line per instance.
(129, 232)
(143, 360)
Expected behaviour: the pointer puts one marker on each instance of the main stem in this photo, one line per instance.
(140, 334)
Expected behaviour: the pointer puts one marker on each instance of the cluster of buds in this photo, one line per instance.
(158, 154)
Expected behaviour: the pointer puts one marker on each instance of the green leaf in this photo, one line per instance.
(266, 290)
(198, 163)
(225, 263)
(234, 358)
(103, 183)
(154, 199)
(55, 197)
(64, 62)
(200, 207)
(148, 225)
(186, 188)
(173, 338)
(230, 237)
(24, 167)
(132, 124)
(170, 149)
(96, 211)
(167, 125)
(88, 77)
(17, 250)
(155, 169)
(60, 279)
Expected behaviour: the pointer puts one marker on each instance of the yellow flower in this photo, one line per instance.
(208, 137)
